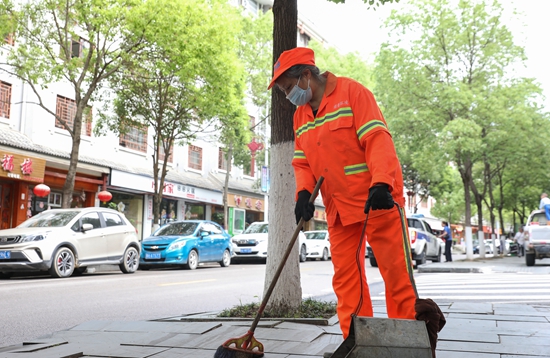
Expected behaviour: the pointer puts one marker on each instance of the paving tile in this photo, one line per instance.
(468, 336)
(520, 341)
(502, 348)
(150, 326)
(471, 307)
(451, 354)
(527, 328)
(522, 356)
(170, 340)
(471, 324)
(500, 317)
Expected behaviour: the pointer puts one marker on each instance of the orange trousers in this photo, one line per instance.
(387, 240)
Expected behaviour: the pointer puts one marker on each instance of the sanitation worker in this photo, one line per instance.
(340, 134)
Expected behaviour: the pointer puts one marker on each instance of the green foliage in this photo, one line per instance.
(444, 80)
(309, 308)
(449, 196)
(349, 65)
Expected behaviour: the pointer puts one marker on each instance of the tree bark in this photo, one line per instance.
(288, 292)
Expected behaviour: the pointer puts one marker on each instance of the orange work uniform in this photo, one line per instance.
(348, 143)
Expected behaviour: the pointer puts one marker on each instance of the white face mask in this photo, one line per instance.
(299, 96)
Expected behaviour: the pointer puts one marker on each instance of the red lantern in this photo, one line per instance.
(104, 196)
(41, 190)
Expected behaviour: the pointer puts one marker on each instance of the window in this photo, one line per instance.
(162, 154)
(5, 99)
(66, 110)
(211, 228)
(195, 157)
(54, 200)
(91, 218)
(9, 39)
(112, 219)
(78, 47)
(135, 139)
(222, 159)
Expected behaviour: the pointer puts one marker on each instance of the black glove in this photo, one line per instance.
(379, 198)
(304, 209)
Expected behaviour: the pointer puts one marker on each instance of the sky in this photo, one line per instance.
(353, 27)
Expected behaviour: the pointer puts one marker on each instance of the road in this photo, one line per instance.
(37, 305)
(33, 306)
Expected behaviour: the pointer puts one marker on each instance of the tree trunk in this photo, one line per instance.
(466, 175)
(228, 157)
(288, 291)
(68, 187)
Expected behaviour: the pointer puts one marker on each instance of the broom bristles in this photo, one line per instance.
(223, 352)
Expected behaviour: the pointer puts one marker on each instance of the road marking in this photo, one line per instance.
(185, 282)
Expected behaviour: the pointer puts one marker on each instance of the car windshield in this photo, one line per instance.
(50, 219)
(315, 235)
(255, 228)
(539, 218)
(177, 229)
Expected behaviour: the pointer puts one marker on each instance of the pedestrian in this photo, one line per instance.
(519, 238)
(545, 205)
(448, 238)
(340, 134)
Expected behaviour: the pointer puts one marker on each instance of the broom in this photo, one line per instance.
(247, 346)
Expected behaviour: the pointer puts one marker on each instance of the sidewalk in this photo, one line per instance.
(473, 330)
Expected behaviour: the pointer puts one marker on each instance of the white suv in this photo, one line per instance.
(66, 241)
(252, 243)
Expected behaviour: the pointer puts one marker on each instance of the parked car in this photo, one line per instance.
(318, 244)
(186, 243)
(509, 245)
(252, 243)
(537, 237)
(66, 241)
(425, 245)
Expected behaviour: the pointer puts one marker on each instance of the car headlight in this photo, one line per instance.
(177, 245)
(33, 237)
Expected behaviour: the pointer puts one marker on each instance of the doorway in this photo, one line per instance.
(6, 193)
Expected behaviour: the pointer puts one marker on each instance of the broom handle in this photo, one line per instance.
(283, 261)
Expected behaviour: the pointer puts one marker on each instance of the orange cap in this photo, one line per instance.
(289, 58)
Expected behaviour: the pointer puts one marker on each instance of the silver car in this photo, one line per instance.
(66, 241)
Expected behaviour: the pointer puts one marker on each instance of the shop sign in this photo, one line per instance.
(246, 203)
(22, 167)
(146, 184)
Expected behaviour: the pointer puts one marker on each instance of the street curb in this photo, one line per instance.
(212, 317)
(428, 269)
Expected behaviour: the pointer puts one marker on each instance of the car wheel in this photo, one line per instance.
(192, 260)
(372, 261)
(530, 259)
(226, 260)
(422, 259)
(62, 263)
(130, 260)
(325, 255)
(438, 257)
(303, 253)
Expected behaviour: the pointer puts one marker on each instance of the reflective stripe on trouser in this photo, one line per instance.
(349, 282)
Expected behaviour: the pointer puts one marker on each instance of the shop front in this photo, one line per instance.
(19, 173)
(319, 221)
(244, 209)
(179, 202)
(85, 188)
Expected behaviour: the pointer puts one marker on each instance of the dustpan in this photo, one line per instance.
(373, 337)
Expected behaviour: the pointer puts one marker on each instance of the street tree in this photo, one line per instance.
(347, 65)
(180, 84)
(287, 294)
(449, 196)
(434, 78)
(74, 42)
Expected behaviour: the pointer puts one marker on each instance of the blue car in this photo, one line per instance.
(186, 243)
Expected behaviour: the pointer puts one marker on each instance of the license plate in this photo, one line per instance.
(246, 251)
(155, 255)
(5, 255)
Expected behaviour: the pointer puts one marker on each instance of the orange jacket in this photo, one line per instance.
(348, 143)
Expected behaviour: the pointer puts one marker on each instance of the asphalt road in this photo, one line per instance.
(33, 306)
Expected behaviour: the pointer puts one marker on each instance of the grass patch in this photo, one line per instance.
(309, 308)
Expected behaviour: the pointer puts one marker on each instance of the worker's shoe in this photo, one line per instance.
(327, 354)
